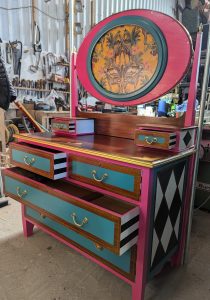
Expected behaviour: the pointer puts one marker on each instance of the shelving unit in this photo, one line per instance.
(38, 90)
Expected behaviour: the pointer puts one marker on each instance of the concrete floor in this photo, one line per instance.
(41, 268)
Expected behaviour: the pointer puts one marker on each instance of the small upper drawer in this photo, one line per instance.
(109, 222)
(43, 161)
(115, 178)
(155, 139)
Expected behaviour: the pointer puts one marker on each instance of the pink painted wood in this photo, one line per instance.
(105, 192)
(34, 223)
(74, 89)
(190, 114)
(138, 287)
(179, 55)
(27, 226)
(79, 200)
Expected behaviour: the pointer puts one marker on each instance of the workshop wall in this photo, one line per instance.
(15, 23)
(15, 19)
(105, 8)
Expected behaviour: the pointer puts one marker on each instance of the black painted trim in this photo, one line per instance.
(129, 238)
(129, 223)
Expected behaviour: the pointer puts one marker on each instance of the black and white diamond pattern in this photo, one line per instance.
(167, 214)
(187, 138)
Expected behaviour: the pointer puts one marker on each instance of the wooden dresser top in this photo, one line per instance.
(115, 148)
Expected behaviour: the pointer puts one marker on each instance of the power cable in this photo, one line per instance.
(202, 204)
(35, 7)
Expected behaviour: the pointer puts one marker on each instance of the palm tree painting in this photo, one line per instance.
(125, 59)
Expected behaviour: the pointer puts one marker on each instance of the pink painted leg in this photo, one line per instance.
(138, 287)
(27, 226)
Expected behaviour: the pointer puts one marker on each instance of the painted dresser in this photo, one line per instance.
(120, 204)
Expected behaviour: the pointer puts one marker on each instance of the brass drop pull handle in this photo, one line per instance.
(84, 221)
(150, 140)
(21, 194)
(29, 161)
(104, 176)
(98, 247)
(42, 215)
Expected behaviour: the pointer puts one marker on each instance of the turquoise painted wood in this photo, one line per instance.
(115, 178)
(123, 262)
(97, 225)
(40, 163)
(160, 140)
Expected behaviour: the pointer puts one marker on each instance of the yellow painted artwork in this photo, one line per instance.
(125, 59)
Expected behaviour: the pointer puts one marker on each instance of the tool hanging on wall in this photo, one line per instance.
(16, 48)
(37, 47)
(8, 54)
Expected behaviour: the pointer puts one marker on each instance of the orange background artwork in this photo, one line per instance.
(125, 59)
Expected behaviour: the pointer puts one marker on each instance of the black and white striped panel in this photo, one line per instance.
(72, 126)
(60, 165)
(172, 140)
(129, 230)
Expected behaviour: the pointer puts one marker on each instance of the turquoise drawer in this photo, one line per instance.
(116, 230)
(124, 264)
(46, 162)
(155, 138)
(115, 178)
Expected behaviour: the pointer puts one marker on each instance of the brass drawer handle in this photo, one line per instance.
(105, 175)
(42, 215)
(21, 195)
(59, 126)
(84, 221)
(98, 247)
(150, 141)
(29, 161)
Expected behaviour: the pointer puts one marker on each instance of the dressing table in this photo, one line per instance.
(120, 196)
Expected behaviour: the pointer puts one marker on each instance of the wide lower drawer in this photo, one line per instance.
(46, 162)
(115, 178)
(155, 139)
(124, 264)
(111, 223)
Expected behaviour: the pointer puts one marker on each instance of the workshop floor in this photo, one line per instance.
(41, 268)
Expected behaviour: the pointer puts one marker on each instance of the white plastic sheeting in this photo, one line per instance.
(16, 24)
(105, 8)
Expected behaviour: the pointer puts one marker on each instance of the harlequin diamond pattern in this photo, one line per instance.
(167, 215)
(187, 138)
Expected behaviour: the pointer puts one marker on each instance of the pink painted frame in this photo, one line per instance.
(190, 114)
(138, 286)
(74, 86)
(179, 55)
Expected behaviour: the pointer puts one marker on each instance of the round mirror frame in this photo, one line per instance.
(174, 56)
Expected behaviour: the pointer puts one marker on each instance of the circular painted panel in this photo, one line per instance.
(133, 57)
(125, 59)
